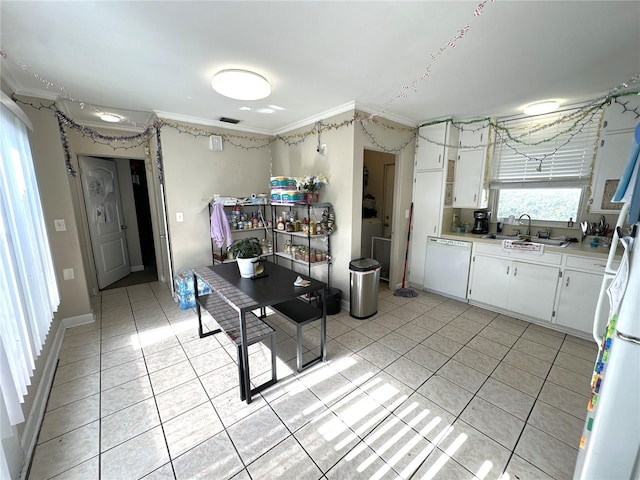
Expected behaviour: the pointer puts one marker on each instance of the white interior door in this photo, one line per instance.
(106, 226)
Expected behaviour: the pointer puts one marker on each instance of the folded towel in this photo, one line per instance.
(301, 282)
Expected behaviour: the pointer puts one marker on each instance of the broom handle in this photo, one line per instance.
(406, 254)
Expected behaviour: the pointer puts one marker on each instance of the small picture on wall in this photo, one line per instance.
(610, 187)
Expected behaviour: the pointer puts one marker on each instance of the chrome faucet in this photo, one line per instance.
(528, 232)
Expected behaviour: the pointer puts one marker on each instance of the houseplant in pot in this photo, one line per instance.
(246, 251)
(311, 186)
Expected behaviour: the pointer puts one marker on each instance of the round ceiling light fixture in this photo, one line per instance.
(110, 117)
(540, 108)
(241, 84)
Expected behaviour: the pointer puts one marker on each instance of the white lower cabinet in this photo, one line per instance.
(533, 287)
(578, 293)
(532, 290)
(525, 288)
(489, 282)
(577, 299)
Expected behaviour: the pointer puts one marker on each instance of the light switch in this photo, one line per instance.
(59, 225)
(67, 274)
(179, 217)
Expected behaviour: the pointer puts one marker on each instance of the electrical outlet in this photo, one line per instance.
(59, 225)
(179, 217)
(67, 274)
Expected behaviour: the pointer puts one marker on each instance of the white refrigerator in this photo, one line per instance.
(610, 445)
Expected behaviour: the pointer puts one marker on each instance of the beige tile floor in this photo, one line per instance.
(428, 388)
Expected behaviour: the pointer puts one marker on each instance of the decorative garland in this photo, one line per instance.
(114, 141)
(434, 56)
(577, 118)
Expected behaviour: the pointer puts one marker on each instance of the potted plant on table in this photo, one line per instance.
(246, 251)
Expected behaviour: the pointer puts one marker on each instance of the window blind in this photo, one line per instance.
(552, 150)
(28, 288)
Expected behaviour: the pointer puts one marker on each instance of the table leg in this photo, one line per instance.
(245, 382)
(323, 326)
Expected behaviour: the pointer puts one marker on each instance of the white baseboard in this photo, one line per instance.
(78, 320)
(34, 421)
(137, 268)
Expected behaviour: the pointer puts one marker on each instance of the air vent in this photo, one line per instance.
(229, 120)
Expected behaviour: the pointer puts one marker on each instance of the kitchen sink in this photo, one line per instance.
(552, 242)
(500, 236)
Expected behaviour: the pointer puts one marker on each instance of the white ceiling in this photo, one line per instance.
(144, 57)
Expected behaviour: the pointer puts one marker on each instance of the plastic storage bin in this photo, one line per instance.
(364, 276)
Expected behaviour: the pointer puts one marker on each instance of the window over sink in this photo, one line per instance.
(542, 164)
(543, 204)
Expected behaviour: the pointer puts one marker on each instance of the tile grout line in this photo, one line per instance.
(531, 411)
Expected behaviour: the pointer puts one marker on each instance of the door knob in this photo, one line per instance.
(123, 227)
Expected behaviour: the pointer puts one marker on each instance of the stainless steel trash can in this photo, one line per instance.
(365, 276)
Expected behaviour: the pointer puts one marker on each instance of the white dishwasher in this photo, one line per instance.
(446, 268)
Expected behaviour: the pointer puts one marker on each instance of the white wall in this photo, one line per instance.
(303, 159)
(193, 173)
(393, 137)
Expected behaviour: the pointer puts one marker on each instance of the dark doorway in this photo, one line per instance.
(143, 213)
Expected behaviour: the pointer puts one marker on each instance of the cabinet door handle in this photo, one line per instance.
(435, 227)
(508, 270)
(481, 135)
(475, 195)
(515, 271)
(566, 284)
(440, 158)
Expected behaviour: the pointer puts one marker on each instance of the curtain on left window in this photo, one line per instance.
(28, 289)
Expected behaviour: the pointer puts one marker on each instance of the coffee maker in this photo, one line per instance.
(481, 221)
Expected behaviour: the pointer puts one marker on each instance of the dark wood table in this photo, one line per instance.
(244, 295)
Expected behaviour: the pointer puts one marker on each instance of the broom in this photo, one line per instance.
(406, 292)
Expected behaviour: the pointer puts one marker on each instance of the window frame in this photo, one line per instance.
(582, 181)
(495, 199)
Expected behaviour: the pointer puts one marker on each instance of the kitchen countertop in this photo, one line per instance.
(574, 248)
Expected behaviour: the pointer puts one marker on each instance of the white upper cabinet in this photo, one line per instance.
(433, 146)
(613, 152)
(470, 189)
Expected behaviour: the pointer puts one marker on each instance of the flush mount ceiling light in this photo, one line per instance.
(241, 85)
(541, 107)
(110, 117)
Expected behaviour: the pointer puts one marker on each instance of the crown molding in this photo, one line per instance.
(386, 115)
(316, 118)
(211, 123)
(45, 95)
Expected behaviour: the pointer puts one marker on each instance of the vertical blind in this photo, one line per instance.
(546, 150)
(28, 288)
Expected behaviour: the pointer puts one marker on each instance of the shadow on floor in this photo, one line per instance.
(149, 274)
